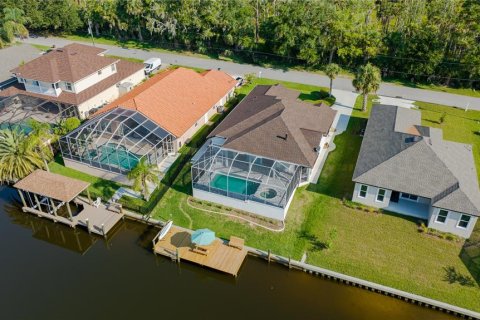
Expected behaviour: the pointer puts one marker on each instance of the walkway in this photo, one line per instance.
(344, 103)
(386, 89)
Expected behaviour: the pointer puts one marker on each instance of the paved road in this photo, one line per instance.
(279, 74)
(12, 56)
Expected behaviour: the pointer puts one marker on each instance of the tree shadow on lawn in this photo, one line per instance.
(453, 276)
(316, 244)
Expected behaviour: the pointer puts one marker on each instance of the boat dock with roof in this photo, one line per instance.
(176, 243)
(56, 197)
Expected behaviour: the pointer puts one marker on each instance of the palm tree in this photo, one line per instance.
(142, 175)
(367, 80)
(332, 70)
(18, 155)
(42, 137)
(13, 24)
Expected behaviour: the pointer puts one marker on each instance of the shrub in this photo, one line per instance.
(423, 228)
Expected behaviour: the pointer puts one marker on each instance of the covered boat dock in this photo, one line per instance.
(56, 197)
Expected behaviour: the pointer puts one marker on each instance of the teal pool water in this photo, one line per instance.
(234, 184)
(16, 126)
(109, 154)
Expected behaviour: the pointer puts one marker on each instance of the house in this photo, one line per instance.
(152, 121)
(262, 151)
(410, 169)
(69, 81)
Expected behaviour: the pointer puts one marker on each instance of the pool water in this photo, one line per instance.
(234, 184)
(109, 153)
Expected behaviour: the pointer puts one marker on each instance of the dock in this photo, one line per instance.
(55, 197)
(177, 245)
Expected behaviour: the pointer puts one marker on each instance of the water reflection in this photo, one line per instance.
(120, 278)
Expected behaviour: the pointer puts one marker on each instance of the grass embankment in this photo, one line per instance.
(41, 47)
(124, 58)
(434, 87)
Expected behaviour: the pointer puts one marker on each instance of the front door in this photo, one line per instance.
(395, 196)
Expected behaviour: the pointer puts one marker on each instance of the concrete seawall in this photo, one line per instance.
(342, 278)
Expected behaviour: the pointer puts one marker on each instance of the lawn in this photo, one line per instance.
(435, 87)
(98, 186)
(124, 58)
(41, 47)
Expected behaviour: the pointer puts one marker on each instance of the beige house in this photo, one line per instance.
(73, 80)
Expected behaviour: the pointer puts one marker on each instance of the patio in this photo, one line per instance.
(410, 208)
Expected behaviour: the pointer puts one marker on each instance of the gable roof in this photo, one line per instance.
(272, 122)
(71, 63)
(176, 99)
(400, 154)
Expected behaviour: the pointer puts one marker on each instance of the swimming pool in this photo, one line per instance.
(234, 184)
(110, 154)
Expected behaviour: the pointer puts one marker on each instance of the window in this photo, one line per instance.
(113, 68)
(54, 85)
(35, 83)
(363, 191)
(442, 216)
(381, 195)
(409, 196)
(99, 72)
(464, 220)
(68, 86)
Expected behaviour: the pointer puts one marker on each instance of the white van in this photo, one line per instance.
(152, 64)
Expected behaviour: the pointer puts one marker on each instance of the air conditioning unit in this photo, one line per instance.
(125, 87)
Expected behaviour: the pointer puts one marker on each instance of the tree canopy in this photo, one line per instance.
(422, 40)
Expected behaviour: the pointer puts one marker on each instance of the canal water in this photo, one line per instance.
(49, 271)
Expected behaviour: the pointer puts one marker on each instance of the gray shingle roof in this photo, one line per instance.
(272, 122)
(398, 153)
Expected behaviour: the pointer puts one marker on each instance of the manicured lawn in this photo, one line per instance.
(459, 125)
(125, 58)
(357, 109)
(41, 47)
(98, 187)
(435, 87)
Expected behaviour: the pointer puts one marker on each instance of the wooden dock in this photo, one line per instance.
(220, 256)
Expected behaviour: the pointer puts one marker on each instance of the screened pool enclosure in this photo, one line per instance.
(116, 141)
(245, 177)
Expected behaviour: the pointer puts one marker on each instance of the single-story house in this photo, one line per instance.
(153, 121)
(262, 151)
(408, 168)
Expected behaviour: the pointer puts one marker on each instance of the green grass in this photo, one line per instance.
(459, 125)
(98, 187)
(41, 47)
(125, 58)
(308, 93)
(435, 87)
(357, 109)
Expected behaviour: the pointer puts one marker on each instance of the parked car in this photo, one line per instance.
(152, 64)
(240, 80)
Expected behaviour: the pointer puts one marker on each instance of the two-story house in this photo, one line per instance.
(410, 169)
(77, 76)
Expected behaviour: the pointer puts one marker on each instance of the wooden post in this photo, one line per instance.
(289, 263)
(178, 255)
(38, 202)
(54, 208)
(22, 197)
(88, 224)
(89, 198)
(269, 255)
(103, 231)
(69, 211)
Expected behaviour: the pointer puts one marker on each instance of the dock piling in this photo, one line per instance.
(88, 225)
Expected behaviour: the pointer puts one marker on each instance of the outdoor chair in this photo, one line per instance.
(200, 250)
(97, 202)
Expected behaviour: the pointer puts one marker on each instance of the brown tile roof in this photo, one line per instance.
(52, 185)
(272, 122)
(70, 63)
(124, 69)
(175, 99)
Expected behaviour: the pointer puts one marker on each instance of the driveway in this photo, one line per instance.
(12, 56)
(386, 89)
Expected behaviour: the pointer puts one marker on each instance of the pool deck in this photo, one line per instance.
(220, 256)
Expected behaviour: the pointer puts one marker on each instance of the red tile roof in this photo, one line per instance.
(70, 63)
(176, 99)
